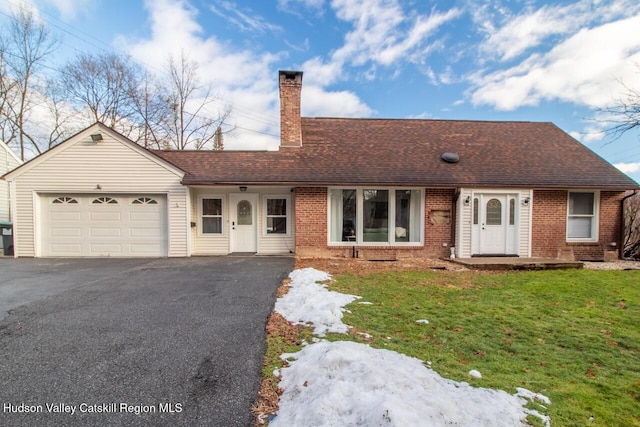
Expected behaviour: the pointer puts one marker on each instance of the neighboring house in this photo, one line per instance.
(371, 188)
(8, 161)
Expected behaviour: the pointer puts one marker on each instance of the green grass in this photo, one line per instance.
(572, 335)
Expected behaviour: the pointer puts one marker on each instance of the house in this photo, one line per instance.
(369, 188)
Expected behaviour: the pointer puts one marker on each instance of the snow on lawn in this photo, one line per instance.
(346, 383)
(311, 303)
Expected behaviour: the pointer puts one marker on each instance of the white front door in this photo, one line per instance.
(493, 224)
(243, 217)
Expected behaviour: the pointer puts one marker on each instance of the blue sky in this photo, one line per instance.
(467, 59)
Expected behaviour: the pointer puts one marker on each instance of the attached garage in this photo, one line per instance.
(98, 194)
(96, 225)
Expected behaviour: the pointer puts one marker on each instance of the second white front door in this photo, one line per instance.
(495, 224)
(243, 216)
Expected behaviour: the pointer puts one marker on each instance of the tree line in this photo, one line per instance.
(41, 106)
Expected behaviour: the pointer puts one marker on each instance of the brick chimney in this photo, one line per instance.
(290, 121)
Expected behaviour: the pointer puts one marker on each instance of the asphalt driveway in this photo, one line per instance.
(134, 342)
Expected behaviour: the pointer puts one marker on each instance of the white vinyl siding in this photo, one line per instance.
(8, 161)
(218, 244)
(111, 166)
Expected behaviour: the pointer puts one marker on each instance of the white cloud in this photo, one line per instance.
(244, 79)
(513, 34)
(70, 9)
(317, 102)
(584, 69)
(291, 6)
(628, 167)
(245, 20)
(382, 35)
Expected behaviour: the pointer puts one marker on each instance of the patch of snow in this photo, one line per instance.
(475, 374)
(424, 321)
(523, 392)
(346, 383)
(311, 303)
(365, 303)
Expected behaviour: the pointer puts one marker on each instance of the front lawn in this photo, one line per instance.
(572, 335)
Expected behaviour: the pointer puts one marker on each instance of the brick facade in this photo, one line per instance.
(311, 229)
(548, 237)
(549, 227)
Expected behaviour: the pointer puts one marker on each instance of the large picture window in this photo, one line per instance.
(582, 218)
(211, 215)
(376, 216)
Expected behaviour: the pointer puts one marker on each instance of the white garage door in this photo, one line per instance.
(103, 225)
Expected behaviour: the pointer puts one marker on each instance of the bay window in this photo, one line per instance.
(374, 216)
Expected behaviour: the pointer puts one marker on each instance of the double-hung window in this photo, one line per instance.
(373, 216)
(277, 213)
(211, 208)
(582, 216)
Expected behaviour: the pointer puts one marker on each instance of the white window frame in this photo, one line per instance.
(595, 218)
(223, 217)
(392, 215)
(265, 215)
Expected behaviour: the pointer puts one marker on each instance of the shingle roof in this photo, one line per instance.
(408, 152)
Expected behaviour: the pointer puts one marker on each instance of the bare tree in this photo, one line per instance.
(105, 85)
(631, 244)
(623, 114)
(23, 49)
(190, 124)
(152, 112)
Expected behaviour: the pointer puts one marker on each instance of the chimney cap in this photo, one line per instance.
(290, 75)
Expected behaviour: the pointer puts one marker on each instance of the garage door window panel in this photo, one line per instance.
(144, 201)
(105, 201)
(65, 200)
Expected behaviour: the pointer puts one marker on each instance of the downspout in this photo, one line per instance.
(622, 221)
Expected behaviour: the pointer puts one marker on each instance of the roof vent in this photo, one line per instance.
(451, 157)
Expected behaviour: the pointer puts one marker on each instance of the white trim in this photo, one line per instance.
(188, 219)
(10, 152)
(530, 234)
(391, 215)
(595, 223)
(13, 205)
(37, 236)
(264, 217)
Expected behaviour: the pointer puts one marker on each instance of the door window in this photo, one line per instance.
(494, 212)
(245, 216)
